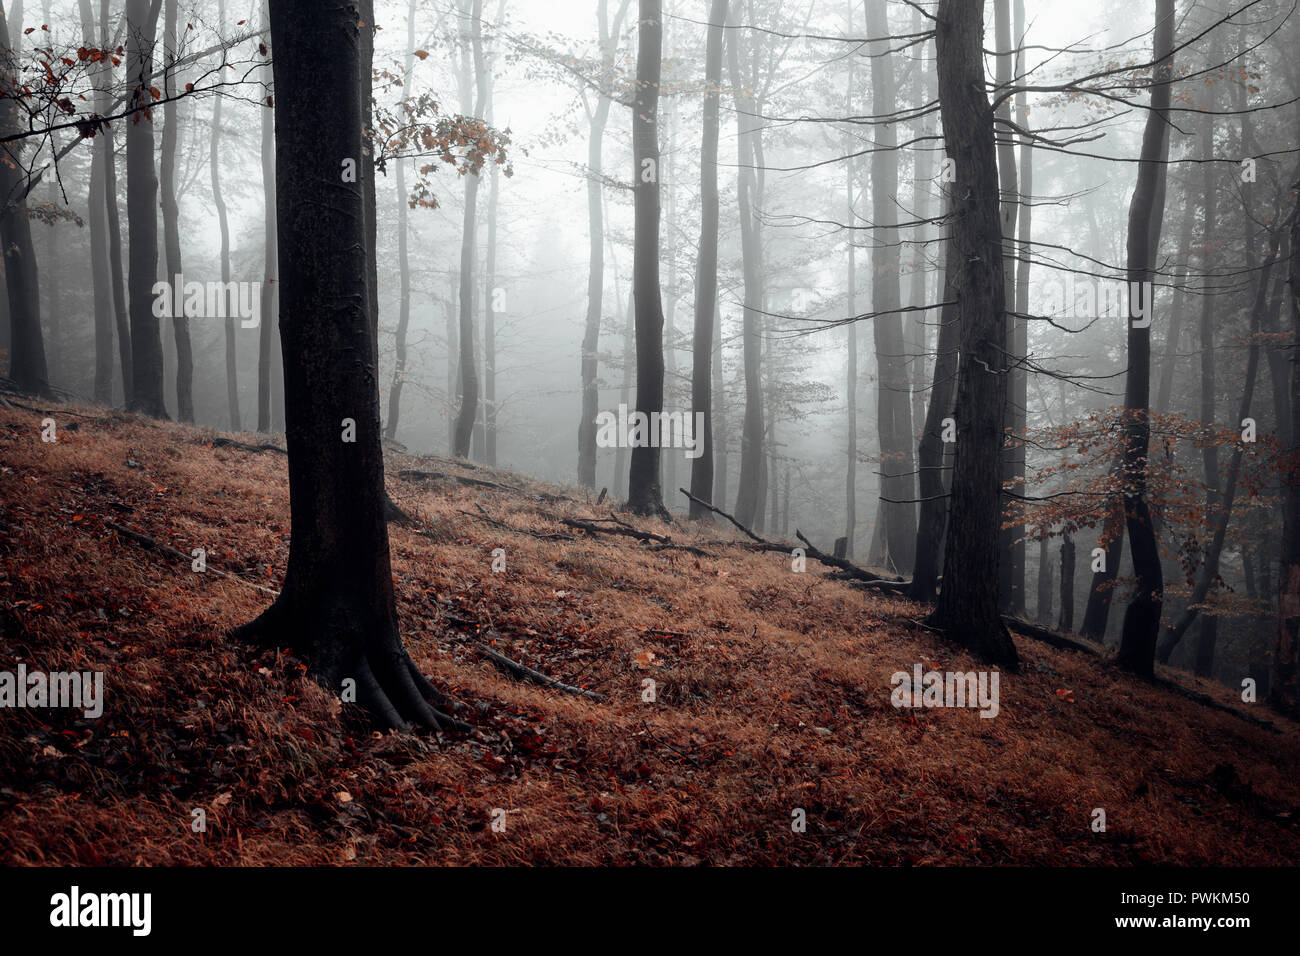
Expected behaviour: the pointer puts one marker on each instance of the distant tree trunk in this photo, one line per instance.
(27, 347)
(1018, 333)
(748, 500)
(967, 607)
(171, 220)
(98, 218)
(1011, 570)
(1101, 591)
(469, 380)
(1043, 607)
(706, 278)
(366, 13)
(1183, 272)
(589, 365)
(403, 254)
(851, 359)
(932, 526)
(490, 287)
(1219, 509)
(894, 409)
(142, 216)
(337, 608)
(267, 334)
(1066, 621)
(232, 364)
(644, 495)
(1137, 647)
(1284, 677)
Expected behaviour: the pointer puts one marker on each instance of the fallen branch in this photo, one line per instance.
(592, 526)
(524, 672)
(155, 545)
(719, 511)
(1050, 637)
(411, 474)
(1213, 704)
(484, 516)
(848, 567)
(242, 446)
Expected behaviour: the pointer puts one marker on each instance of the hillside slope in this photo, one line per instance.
(772, 694)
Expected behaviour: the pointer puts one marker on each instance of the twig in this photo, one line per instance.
(484, 516)
(727, 516)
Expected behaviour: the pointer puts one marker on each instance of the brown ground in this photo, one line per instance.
(773, 694)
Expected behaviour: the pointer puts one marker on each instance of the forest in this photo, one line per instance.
(669, 432)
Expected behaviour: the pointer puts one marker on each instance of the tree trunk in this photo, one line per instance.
(366, 14)
(1284, 678)
(644, 495)
(748, 501)
(1066, 621)
(267, 395)
(223, 223)
(104, 141)
(1137, 647)
(968, 600)
(337, 608)
(894, 409)
(469, 379)
(706, 276)
(403, 254)
(142, 216)
(98, 218)
(27, 346)
(933, 523)
(171, 220)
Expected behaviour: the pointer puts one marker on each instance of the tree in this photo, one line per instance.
(98, 217)
(1137, 649)
(469, 377)
(171, 220)
(706, 276)
(27, 347)
(268, 397)
(1284, 682)
(403, 254)
(337, 608)
(142, 218)
(967, 607)
(894, 405)
(644, 495)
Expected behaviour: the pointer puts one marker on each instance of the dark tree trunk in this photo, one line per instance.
(1066, 620)
(644, 495)
(1101, 590)
(104, 141)
(706, 278)
(366, 12)
(1284, 678)
(171, 220)
(967, 607)
(337, 607)
(1137, 649)
(223, 223)
(27, 346)
(268, 397)
(932, 526)
(142, 216)
(98, 219)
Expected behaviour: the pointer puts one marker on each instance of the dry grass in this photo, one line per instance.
(773, 694)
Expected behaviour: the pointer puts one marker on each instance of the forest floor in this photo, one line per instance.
(773, 694)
